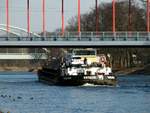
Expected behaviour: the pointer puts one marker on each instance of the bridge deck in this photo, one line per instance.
(80, 40)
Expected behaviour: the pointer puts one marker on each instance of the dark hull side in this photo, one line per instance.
(48, 76)
(55, 79)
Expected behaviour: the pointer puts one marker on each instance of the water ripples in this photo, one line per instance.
(22, 93)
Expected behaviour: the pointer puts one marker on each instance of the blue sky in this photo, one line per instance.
(53, 12)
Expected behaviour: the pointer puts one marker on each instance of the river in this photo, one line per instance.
(22, 93)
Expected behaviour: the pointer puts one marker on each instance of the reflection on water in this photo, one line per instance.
(22, 93)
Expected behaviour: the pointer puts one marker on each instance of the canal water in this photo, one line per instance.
(22, 93)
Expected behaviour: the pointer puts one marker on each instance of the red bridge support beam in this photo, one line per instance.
(129, 17)
(28, 16)
(62, 17)
(43, 17)
(79, 26)
(97, 16)
(113, 16)
(148, 14)
(7, 15)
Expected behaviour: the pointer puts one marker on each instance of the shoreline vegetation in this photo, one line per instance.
(126, 71)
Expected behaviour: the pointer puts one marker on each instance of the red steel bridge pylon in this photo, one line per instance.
(28, 16)
(7, 15)
(79, 16)
(148, 14)
(113, 16)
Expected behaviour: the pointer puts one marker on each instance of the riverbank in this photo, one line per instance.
(126, 71)
(145, 70)
(17, 69)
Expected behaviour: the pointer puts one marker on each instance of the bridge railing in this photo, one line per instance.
(84, 36)
(23, 56)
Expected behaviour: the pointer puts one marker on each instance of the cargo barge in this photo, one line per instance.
(80, 67)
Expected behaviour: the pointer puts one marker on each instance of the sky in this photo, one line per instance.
(17, 10)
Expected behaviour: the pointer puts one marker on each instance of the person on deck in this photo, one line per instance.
(85, 61)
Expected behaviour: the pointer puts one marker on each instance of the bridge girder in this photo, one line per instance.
(17, 31)
(10, 33)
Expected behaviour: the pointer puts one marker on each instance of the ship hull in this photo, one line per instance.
(54, 78)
